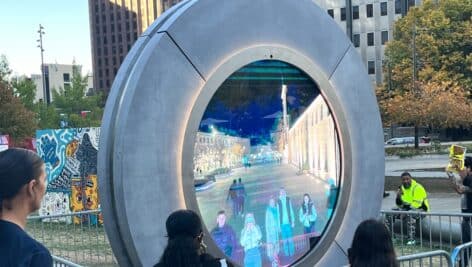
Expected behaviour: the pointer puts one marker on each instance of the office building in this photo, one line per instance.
(114, 26)
(370, 25)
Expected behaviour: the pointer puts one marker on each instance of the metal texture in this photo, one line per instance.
(167, 80)
(430, 258)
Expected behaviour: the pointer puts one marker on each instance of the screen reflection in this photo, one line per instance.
(266, 165)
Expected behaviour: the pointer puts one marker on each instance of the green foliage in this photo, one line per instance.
(5, 70)
(15, 120)
(25, 89)
(71, 102)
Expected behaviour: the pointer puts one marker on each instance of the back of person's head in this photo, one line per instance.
(184, 232)
(468, 162)
(372, 246)
(18, 167)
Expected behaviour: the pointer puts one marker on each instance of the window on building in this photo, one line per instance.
(331, 12)
(343, 14)
(371, 67)
(398, 7)
(112, 18)
(106, 61)
(114, 60)
(120, 38)
(128, 38)
(119, 27)
(127, 15)
(112, 27)
(97, 29)
(100, 73)
(108, 83)
(99, 51)
(121, 58)
(411, 3)
(356, 40)
(99, 62)
(370, 39)
(369, 10)
(66, 77)
(121, 49)
(383, 9)
(105, 41)
(105, 51)
(384, 37)
(114, 71)
(107, 72)
(113, 39)
(135, 35)
(101, 84)
(355, 12)
(127, 26)
(118, 16)
(97, 19)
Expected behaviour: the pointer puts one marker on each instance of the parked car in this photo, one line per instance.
(400, 140)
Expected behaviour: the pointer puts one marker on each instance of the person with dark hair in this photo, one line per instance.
(233, 196)
(307, 214)
(411, 194)
(372, 246)
(463, 186)
(286, 222)
(185, 247)
(241, 197)
(224, 235)
(22, 187)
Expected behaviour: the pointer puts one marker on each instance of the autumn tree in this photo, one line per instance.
(428, 67)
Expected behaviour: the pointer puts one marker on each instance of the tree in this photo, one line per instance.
(25, 89)
(431, 54)
(15, 120)
(5, 70)
(73, 103)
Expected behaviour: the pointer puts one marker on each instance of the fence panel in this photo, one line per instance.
(438, 258)
(76, 237)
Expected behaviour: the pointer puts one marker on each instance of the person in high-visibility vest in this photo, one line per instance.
(411, 194)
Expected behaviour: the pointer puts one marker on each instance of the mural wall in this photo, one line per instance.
(70, 156)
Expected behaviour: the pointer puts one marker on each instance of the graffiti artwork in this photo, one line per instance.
(70, 156)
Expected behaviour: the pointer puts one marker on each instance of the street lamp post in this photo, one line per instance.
(43, 79)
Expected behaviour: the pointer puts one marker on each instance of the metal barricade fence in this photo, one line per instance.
(60, 262)
(416, 232)
(431, 258)
(461, 255)
(77, 237)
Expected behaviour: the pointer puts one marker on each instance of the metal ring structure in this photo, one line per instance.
(157, 100)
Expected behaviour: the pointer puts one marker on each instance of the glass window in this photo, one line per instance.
(383, 9)
(355, 12)
(370, 39)
(66, 77)
(369, 10)
(411, 3)
(371, 67)
(356, 40)
(331, 12)
(281, 168)
(384, 37)
(398, 7)
(343, 14)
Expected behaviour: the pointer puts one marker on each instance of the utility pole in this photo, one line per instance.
(414, 78)
(43, 78)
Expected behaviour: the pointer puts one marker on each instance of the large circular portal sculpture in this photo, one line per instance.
(148, 161)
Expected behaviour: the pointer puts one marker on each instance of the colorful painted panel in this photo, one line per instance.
(70, 156)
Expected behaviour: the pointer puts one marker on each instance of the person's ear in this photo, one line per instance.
(30, 187)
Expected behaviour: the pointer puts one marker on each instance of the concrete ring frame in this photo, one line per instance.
(164, 85)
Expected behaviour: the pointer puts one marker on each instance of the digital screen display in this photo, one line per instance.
(266, 165)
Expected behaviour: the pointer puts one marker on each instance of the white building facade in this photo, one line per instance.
(56, 76)
(371, 27)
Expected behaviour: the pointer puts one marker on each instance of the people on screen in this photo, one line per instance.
(307, 214)
(224, 235)
(251, 238)
(272, 229)
(287, 222)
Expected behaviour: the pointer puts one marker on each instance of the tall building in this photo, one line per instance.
(56, 76)
(114, 26)
(370, 23)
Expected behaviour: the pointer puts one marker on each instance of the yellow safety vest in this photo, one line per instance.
(415, 196)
